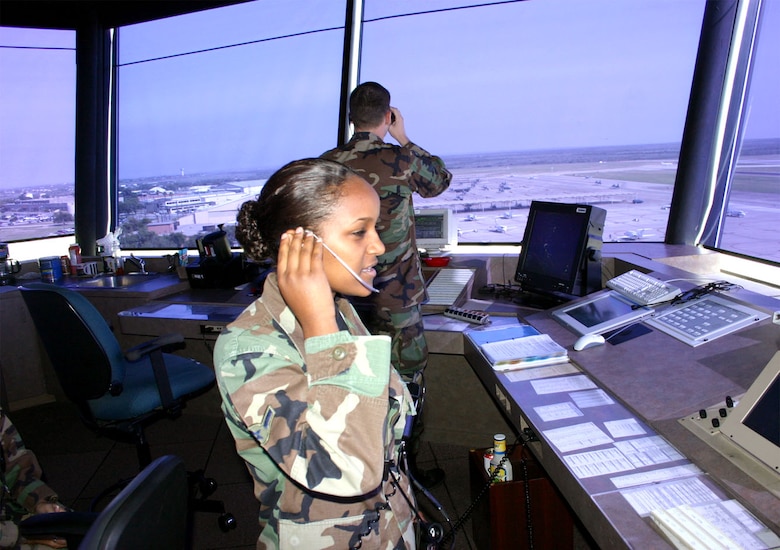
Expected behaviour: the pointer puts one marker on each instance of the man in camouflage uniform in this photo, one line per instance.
(319, 422)
(23, 492)
(396, 173)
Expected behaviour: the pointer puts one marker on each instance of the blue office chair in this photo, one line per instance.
(118, 394)
(150, 513)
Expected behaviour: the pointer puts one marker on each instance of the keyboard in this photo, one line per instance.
(447, 285)
(705, 319)
(684, 527)
(643, 289)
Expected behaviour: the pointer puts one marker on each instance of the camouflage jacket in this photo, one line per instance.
(316, 421)
(396, 173)
(21, 476)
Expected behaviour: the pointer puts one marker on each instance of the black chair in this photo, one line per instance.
(118, 394)
(150, 513)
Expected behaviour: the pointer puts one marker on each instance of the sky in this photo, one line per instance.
(512, 76)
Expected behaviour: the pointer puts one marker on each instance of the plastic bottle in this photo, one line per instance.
(498, 466)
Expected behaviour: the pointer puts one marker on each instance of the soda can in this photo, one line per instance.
(65, 263)
(51, 269)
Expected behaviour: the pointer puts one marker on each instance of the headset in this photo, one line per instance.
(342, 262)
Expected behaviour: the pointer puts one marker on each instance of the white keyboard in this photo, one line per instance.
(709, 526)
(447, 286)
(643, 289)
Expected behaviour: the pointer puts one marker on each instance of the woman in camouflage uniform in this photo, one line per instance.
(311, 398)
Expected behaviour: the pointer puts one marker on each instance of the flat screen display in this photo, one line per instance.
(764, 418)
(754, 423)
(599, 312)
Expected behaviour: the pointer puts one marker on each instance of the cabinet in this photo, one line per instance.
(501, 516)
(22, 361)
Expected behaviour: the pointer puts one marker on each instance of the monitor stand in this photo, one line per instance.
(539, 300)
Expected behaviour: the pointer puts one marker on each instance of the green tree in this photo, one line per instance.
(129, 204)
(62, 217)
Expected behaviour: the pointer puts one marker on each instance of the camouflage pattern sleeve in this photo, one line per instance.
(429, 177)
(305, 409)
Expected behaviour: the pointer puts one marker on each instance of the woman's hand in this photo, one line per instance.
(304, 284)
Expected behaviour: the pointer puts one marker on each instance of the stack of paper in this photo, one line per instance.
(519, 346)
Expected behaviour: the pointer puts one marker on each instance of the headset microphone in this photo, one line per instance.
(343, 263)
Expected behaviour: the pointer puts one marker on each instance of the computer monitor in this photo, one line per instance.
(435, 228)
(561, 250)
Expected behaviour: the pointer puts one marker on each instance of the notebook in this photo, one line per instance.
(518, 346)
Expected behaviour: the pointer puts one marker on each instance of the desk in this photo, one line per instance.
(197, 314)
(28, 379)
(656, 380)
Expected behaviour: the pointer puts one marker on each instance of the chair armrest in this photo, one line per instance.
(154, 349)
(59, 524)
(161, 342)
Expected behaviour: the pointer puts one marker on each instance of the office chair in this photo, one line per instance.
(150, 513)
(118, 394)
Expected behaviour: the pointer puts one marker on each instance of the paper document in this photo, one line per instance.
(538, 349)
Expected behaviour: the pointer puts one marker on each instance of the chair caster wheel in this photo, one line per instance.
(227, 522)
(207, 486)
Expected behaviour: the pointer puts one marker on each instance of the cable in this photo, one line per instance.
(491, 480)
(694, 293)
(433, 532)
(527, 490)
(703, 290)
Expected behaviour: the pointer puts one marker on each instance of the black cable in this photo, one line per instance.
(527, 490)
(491, 479)
(702, 290)
(433, 531)
(694, 294)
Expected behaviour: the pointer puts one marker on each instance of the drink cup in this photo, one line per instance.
(89, 268)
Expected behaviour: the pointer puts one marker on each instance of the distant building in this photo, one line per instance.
(163, 228)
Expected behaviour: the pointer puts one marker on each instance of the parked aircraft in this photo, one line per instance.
(500, 228)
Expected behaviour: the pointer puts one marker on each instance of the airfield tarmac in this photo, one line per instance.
(491, 203)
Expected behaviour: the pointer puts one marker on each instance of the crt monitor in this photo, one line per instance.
(561, 249)
(435, 228)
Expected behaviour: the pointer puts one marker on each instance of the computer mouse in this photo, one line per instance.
(588, 341)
